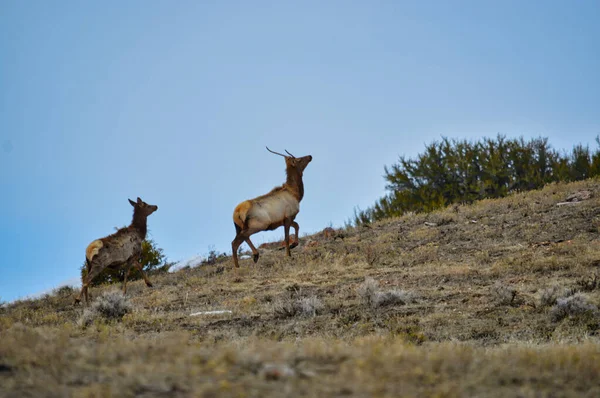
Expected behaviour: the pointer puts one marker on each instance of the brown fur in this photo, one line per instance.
(277, 208)
(122, 247)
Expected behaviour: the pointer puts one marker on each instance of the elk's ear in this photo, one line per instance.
(139, 200)
(131, 202)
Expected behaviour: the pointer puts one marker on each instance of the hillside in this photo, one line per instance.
(492, 299)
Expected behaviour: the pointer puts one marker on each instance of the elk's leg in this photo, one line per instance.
(297, 240)
(140, 268)
(127, 271)
(95, 270)
(255, 253)
(235, 244)
(84, 289)
(286, 230)
(81, 292)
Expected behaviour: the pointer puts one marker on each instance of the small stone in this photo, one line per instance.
(274, 371)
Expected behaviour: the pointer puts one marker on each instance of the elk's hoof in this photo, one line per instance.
(293, 244)
(149, 284)
(76, 301)
(255, 257)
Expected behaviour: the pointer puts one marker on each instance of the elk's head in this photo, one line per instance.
(292, 162)
(142, 207)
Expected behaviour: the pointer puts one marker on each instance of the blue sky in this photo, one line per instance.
(175, 102)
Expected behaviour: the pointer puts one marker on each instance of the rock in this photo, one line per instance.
(311, 243)
(328, 233)
(274, 371)
(215, 312)
(579, 196)
(567, 203)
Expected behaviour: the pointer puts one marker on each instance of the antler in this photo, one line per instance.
(276, 153)
(290, 154)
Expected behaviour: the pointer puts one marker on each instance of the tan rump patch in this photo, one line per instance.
(240, 213)
(93, 249)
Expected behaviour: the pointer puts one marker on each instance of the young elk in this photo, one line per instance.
(268, 212)
(122, 247)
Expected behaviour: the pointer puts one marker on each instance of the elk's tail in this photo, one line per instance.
(240, 215)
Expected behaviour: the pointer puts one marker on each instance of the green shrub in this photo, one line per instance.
(461, 171)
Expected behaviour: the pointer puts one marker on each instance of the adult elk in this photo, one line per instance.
(122, 247)
(268, 212)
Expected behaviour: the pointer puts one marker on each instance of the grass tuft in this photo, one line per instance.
(573, 306)
(549, 296)
(290, 306)
(370, 295)
(367, 291)
(504, 295)
(111, 305)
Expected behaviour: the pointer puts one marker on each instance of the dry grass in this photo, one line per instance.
(506, 305)
(176, 364)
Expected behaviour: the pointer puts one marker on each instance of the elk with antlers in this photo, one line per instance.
(268, 212)
(122, 247)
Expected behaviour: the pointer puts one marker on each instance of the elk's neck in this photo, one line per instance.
(139, 223)
(294, 181)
